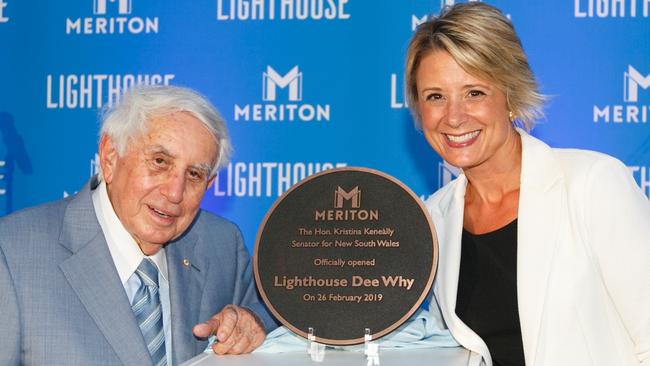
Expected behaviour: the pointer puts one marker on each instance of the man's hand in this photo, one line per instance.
(237, 329)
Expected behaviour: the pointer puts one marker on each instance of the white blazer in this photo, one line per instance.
(583, 260)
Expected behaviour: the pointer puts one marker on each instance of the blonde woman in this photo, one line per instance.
(544, 253)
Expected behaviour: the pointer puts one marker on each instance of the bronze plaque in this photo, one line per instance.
(345, 250)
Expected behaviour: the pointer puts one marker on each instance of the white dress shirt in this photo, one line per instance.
(127, 256)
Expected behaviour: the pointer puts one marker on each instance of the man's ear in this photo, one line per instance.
(107, 158)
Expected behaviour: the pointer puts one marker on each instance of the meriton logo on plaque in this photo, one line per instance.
(354, 196)
(339, 214)
(327, 260)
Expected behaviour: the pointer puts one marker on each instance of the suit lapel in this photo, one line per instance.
(541, 205)
(186, 283)
(450, 212)
(92, 275)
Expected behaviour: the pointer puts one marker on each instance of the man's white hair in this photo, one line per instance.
(128, 118)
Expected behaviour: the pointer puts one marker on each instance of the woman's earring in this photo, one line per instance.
(511, 116)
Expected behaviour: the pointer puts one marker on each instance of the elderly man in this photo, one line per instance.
(119, 273)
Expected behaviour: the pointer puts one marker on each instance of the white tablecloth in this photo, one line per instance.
(455, 356)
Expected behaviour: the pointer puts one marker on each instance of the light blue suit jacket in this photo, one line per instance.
(62, 302)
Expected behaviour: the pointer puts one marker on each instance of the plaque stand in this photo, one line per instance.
(315, 350)
(371, 349)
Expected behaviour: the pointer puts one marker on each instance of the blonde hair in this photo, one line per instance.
(484, 43)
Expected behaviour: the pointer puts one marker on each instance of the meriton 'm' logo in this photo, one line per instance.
(632, 79)
(276, 87)
(272, 80)
(633, 112)
(124, 23)
(417, 20)
(354, 196)
(123, 7)
(355, 213)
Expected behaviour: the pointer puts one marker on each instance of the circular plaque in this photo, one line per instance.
(343, 251)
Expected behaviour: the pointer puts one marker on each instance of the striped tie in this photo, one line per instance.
(148, 312)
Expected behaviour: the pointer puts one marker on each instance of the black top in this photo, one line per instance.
(487, 292)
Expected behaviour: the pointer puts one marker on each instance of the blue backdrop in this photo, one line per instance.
(304, 85)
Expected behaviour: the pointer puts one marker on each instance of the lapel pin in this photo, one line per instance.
(186, 262)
